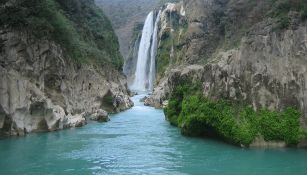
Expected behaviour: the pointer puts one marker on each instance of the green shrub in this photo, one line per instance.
(282, 23)
(239, 124)
(199, 113)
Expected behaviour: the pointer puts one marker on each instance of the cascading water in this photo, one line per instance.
(145, 69)
(152, 70)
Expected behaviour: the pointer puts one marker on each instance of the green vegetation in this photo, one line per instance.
(238, 124)
(77, 25)
(108, 99)
(163, 54)
(281, 9)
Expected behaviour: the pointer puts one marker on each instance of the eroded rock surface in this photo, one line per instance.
(41, 90)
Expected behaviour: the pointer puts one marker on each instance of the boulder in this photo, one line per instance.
(122, 103)
(74, 121)
(143, 99)
(100, 115)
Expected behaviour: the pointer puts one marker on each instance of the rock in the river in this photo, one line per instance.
(121, 103)
(100, 115)
(74, 121)
(143, 99)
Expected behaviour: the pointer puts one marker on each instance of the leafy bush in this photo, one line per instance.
(197, 116)
(280, 126)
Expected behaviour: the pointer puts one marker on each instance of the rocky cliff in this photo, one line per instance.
(244, 51)
(45, 85)
(265, 66)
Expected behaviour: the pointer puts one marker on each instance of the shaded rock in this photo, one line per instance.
(259, 142)
(131, 93)
(303, 143)
(55, 120)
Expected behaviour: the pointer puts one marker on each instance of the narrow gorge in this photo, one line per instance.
(181, 87)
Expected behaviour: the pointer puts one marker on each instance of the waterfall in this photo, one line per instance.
(152, 70)
(145, 69)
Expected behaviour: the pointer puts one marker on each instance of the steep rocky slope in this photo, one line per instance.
(59, 63)
(243, 51)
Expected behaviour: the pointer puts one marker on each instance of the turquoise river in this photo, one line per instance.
(139, 141)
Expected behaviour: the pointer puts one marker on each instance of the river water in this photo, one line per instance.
(140, 141)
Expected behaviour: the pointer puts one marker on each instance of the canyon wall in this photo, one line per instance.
(251, 53)
(44, 88)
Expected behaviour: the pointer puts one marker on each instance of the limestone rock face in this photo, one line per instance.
(267, 68)
(41, 90)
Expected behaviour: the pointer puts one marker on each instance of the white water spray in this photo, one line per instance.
(152, 70)
(145, 69)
